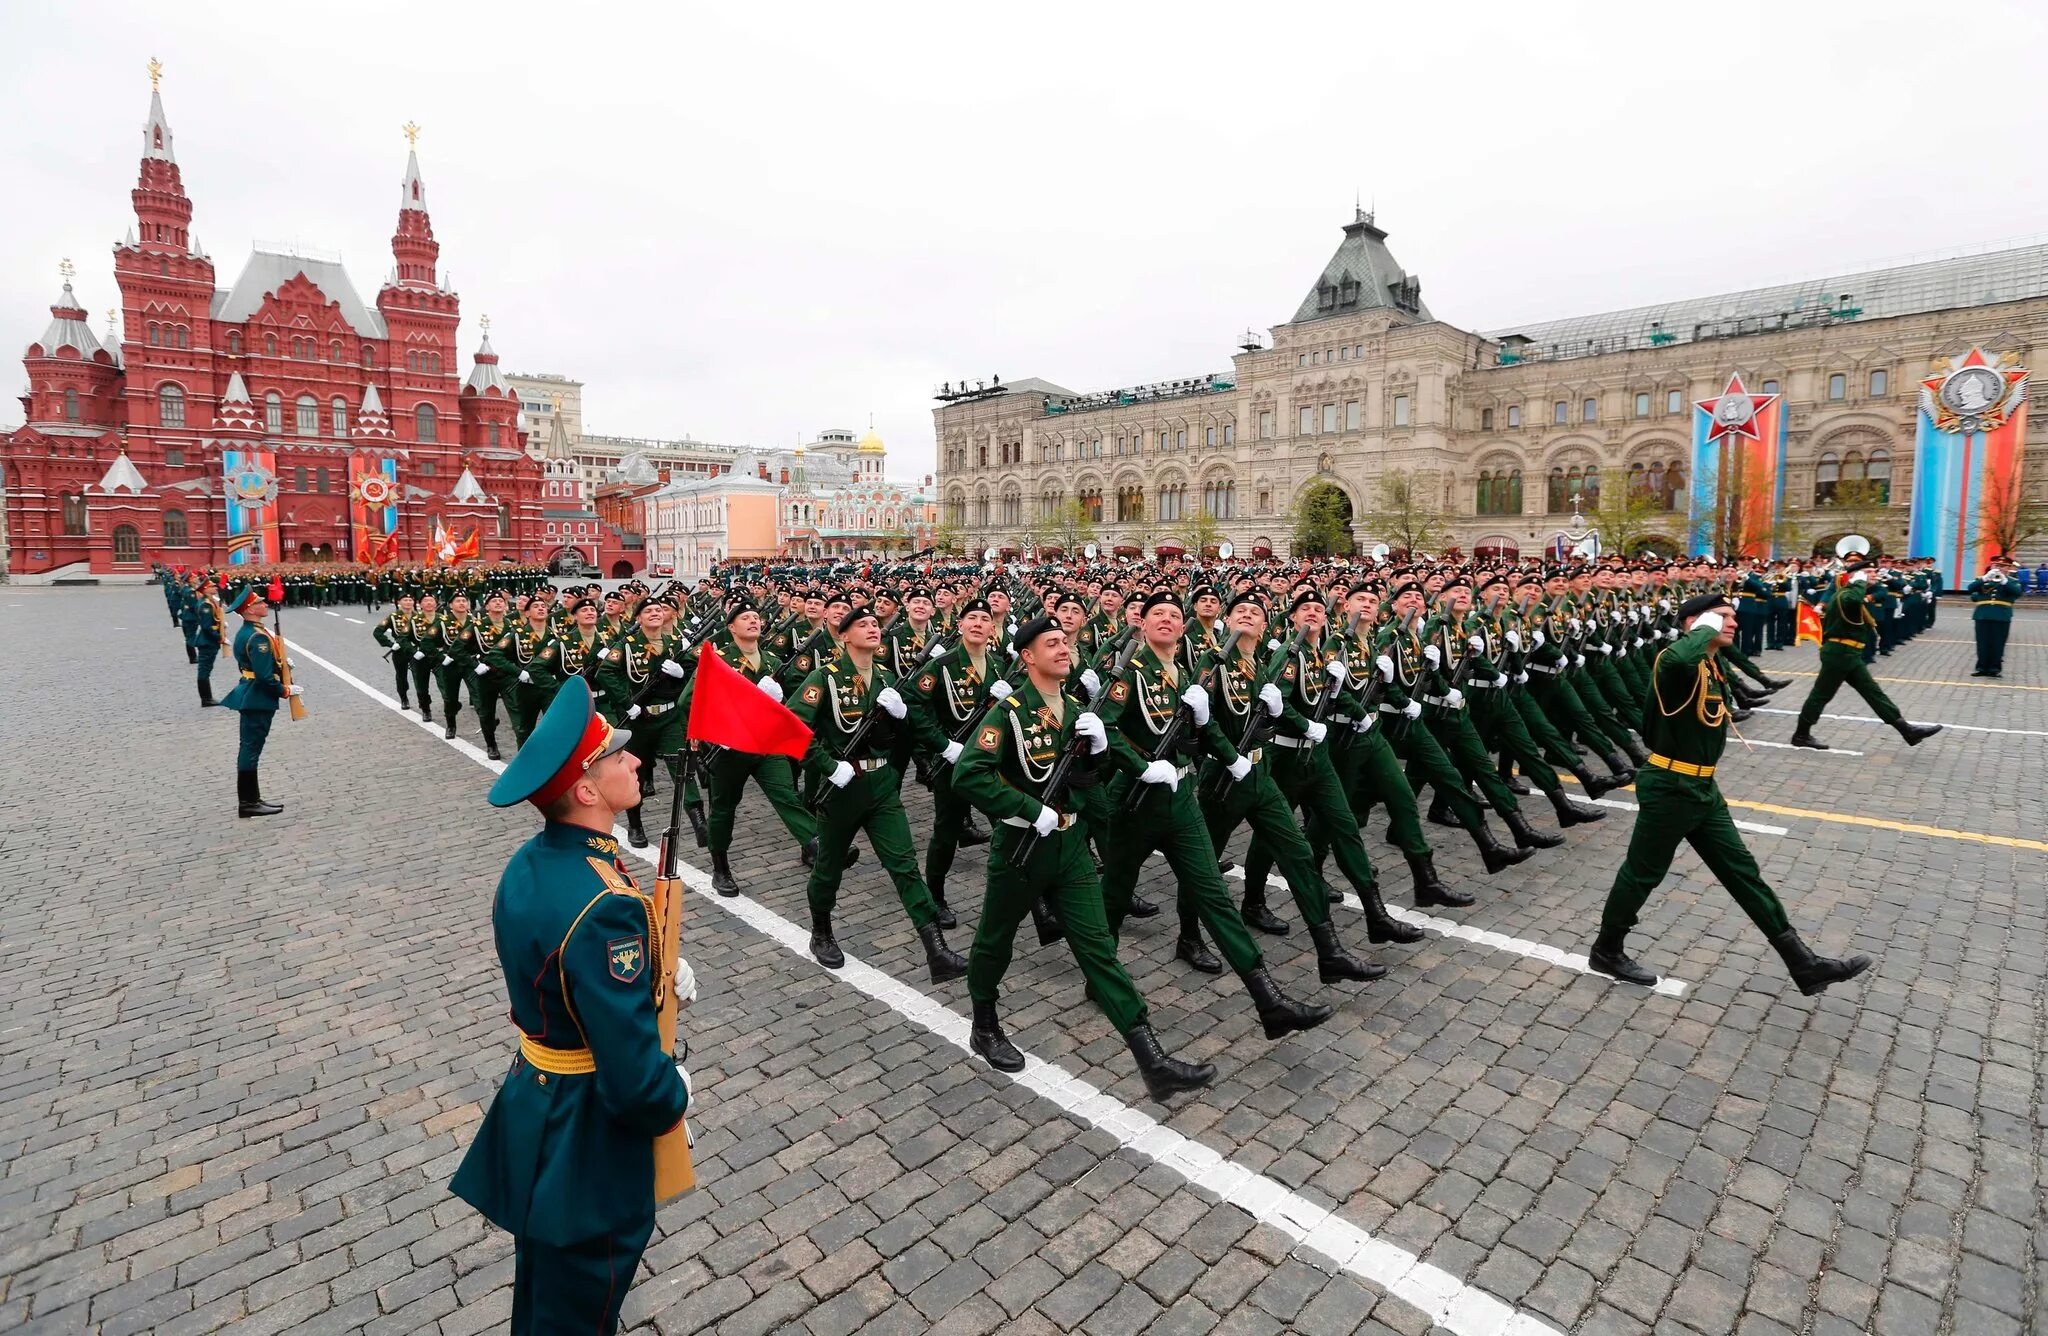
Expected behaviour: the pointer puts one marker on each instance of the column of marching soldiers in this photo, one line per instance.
(1097, 714)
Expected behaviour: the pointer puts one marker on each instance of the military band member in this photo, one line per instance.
(850, 766)
(208, 633)
(260, 658)
(1680, 802)
(1005, 773)
(1849, 634)
(1992, 596)
(564, 1159)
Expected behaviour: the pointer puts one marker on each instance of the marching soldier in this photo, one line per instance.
(1679, 801)
(524, 661)
(265, 682)
(647, 668)
(486, 685)
(946, 697)
(1849, 635)
(564, 1159)
(455, 638)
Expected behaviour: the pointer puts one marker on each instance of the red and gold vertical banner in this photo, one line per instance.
(249, 480)
(1738, 443)
(1967, 504)
(373, 507)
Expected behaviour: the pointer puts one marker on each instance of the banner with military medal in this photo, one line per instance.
(249, 479)
(1972, 428)
(1750, 428)
(373, 507)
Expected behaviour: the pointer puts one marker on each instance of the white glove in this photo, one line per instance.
(890, 701)
(1663, 605)
(632, 711)
(1269, 696)
(673, 669)
(1614, 615)
(294, 690)
(1337, 671)
(842, 775)
(1273, 644)
(1899, 610)
(686, 983)
(998, 689)
(1521, 678)
(1578, 661)
(1091, 681)
(482, 668)
(1576, 625)
(1434, 655)
(1160, 772)
(1011, 629)
(445, 660)
(1856, 579)
(1500, 680)
(1536, 640)
(1088, 725)
(1455, 699)
(1239, 768)
(1413, 709)
(419, 654)
(1386, 667)
(952, 753)
(1477, 644)
(1045, 821)
(1364, 725)
(689, 1095)
(770, 688)
(527, 677)
(1196, 698)
(1711, 620)
(935, 651)
(1316, 731)
(1514, 639)
(1639, 642)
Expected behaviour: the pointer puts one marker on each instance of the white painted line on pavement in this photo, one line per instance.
(330, 612)
(357, 620)
(1543, 951)
(1786, 746)
(1871, 719)
(1445, 1300)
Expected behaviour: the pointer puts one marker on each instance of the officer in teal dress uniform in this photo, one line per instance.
(256, 696)
(564, 1160)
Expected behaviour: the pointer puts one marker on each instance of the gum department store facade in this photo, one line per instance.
(1514, 431)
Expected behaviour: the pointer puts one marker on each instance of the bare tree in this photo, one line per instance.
(1407, 515)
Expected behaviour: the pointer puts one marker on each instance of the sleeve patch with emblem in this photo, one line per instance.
(1119, 691)
(1288, 672)
(990, 739)
(812, 695)
(626, 957)
(926, 682)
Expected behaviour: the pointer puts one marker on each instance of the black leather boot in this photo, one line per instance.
(1258, 915)
(698, 829)
(1635, 753)
(947, 919)
(1811, 972)
(1571, 812)
(206, 700)
(1140, 907)
(491, 744)
(1165, 1076)
(1280, 1014)
(987, 1038)
(1610, 957)
(1624, 773)
(824, 950)
(1915, 734)
(1596, 786)
(448, 717)
(1440, 812)
(944, 963)
(1193, 950)
(1380, 926)
(1777, 683)
(1803, 737)
(1527, 836)
(635, 834)
(1494, 854)
(972, 832)
(1429, 888)
(426, 712)
(1516, 784)
(191, 654)
(721, 876)
(250, 799)
(1047, 920)
(1332, 965)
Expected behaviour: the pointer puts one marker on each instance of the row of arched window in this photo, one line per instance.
(425, 363)
(1869, 479)
(303, 349)
(169, 336)
(170, 409)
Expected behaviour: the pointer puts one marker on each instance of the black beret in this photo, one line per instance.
(834, 596)
(1032, 630)
(1158, 598)
(853, 615)
(973, 605)
(1405, 587)
(1248, 596)
(1700, 603)
(618, 594)
(1204, 591)
(1304, 594)
(735, 608)
(576, 607)
(919, 592)
(1490, 581)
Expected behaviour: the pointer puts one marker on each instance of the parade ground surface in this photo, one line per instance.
(242, 1058)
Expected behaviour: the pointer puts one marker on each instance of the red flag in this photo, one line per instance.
(727, 709)
(276, 594)
(1807, 625)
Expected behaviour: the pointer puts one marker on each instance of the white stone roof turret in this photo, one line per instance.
(122, 475)
(372, 422)
(156, 131)
(68, 328)
(412, 192)
(236, 412)
(485, 374)
(467, 489)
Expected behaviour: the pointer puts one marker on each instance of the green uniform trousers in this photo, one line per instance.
(578, 1288)
(1427, 764)
(451, 676)
(422, 671)
(1371, 773)
(1606, 715)
(1500, 725)
(526, 703)
(871, 801)
(255, 731)
(1687, 808)
(207, 654)
(729, 776)
(1062, 872)
(401, 675)
(1621, 701)
(1461, 743)
(1170, 821)
(1276, 838)
(1545, 734)
(949, 819)
(1839, 664)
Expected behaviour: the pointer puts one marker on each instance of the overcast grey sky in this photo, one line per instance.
(752, 224)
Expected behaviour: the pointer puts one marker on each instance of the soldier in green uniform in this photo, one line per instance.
(730, 770)
(188, 617)
(395, 634)
(1687, 727)
(946, 697)
(451, 646)
(1006, 773)
(259, 657)
(647, 668)
(564, 1160)
(486, 684)
(1848, 634)
(426, 625)
(850, 753)
(1992, 596)
(524, 658)
(208, 632)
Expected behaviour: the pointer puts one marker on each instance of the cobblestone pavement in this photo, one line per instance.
(242, 1058)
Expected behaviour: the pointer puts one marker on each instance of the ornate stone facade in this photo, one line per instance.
(1509, 429)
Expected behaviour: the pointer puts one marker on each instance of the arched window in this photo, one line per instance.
(1483, 494)
(235, 342)
(338, 414)
(1674, 483)
(1514, 506)
(492, 434)
(270, 345)
(70, 405)
(170, 406)
(1852, 466)
(1879, 472)
(423, 425)
(1592, 488)
(334, 350)
(127, 544)
(1880, 383)
(1554, 495)
(307, 415)
(176, 533)
(1638, 482)
(1826, 474)
(273, 413)
(184, 335)
(156, 334)
(73, 508)
(369, 356)
(1486, 419)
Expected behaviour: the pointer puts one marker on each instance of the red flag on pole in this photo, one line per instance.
(727, 709)
(276, 594)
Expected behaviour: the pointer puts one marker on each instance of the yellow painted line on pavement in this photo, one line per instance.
(1930, 682)
(1845, 819)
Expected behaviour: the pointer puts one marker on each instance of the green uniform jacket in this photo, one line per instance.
(1846, 625)
(520, 650)
(1141, 704)
(1991, 600)
(262, 684)
(1687, 716)
(947, 693)
(568, 1158)
(832, 702)
(1007, 762)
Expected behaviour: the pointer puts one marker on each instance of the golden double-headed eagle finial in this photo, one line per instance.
(156, 74)
(412, 134)
(66, 268)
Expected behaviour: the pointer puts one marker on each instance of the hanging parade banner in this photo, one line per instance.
(1738, 472)
(250, 478)
(373, 507)
(1971, 428)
